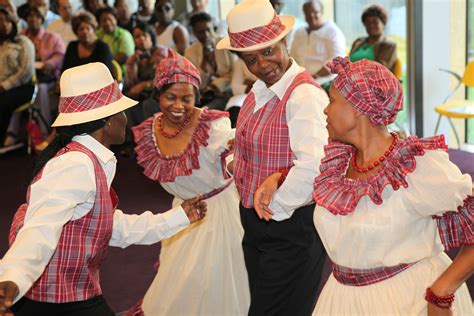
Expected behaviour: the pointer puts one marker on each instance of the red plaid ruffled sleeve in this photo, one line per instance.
(457, 228)
(163, 168)
(340, 195)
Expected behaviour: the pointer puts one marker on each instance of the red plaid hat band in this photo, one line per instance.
(257, 35)
(90, 101)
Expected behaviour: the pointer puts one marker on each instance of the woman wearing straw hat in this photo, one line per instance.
(202, 269)
(280, 125)
(60, 236)
(388, 208)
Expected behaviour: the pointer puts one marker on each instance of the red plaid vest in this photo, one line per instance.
(72, 274)
(262, 141)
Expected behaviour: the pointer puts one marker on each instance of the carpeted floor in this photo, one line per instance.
(127, 273)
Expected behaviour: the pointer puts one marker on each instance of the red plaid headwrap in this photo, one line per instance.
(370, 87)
(90, 101)
(176, 68)
(257, 35)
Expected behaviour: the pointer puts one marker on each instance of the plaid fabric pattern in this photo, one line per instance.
(457, 228)
(257, 35)
(164, 168)
(262, 141)
(176, 68)
(340, 195)
(90, 101)
(361, 277)
(370, 87)
(73, 272)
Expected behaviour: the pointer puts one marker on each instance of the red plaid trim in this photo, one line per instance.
(90, 101)
(370, 87)
(257, 35)
(262, 141)
(457, 228)
(216, 191)
(72, 274)
(163, 168)
(340, 195)
(362, 277)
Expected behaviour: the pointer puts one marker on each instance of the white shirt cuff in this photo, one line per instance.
(176, 218)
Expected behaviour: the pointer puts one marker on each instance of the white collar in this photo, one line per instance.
(102, 152)
(280, 87)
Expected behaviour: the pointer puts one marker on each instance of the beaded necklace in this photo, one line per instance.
(175, 133)
(379, 160)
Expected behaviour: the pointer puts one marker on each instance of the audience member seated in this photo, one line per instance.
(198, 6)
(241, 83)
(141, 72)
(144, 13)
(120, 40)
(215, 66)
(49, 55)
(375, 46)
(124, 15)
(317, 43)
(170, 33)
(11, 7)
(17, 56)
(43, 5)
(63, 25)
(87, 49)
(93, 6)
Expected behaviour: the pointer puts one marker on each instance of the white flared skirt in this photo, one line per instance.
(202, 269)
(403, 294)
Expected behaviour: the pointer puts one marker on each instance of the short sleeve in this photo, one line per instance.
(219, 135)
(437, 185)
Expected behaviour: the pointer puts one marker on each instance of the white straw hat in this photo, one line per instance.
(89, 93)
(253, 25)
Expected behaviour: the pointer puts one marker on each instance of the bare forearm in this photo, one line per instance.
(457, 273)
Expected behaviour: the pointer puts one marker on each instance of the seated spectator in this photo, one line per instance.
(241, 83)
(141, 72)
(144, 12)
(215, 66)
(63, 25)
(317, 43)
(43, 5)
(49, 55)
(120, 40)
(87, 49)
(124, 15)
(170, 33)
(93, 6)
(199, 6)
(17, 55)
(375, 46)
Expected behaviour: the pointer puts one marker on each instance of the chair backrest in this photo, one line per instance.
(468, 77)
(397, 69)
(117, 71)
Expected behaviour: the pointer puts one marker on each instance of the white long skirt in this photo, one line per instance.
(202, 269)
(403, 294)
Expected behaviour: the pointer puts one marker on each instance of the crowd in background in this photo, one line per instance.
(38, 43)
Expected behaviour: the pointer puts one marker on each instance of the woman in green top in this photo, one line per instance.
(375, 46)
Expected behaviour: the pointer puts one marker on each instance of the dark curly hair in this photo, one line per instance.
(146, 28)
(13, 36)
(105, 10)
(376, 10)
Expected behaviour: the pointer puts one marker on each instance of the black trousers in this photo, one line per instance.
(284, 262)
(95, 306)
(10, 100)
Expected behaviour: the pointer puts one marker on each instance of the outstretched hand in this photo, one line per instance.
(194, 208)
(263, 196)
(8, 292)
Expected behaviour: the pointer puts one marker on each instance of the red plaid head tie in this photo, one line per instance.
(176, 68)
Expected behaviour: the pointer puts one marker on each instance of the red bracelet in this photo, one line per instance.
(284, 173)
(441, 301)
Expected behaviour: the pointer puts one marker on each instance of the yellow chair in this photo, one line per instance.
(463, 109)
(118, 73)
(397, 69)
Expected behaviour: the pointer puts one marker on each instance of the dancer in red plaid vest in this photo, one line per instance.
(388, 208)
(280, 126)
(60, 236)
